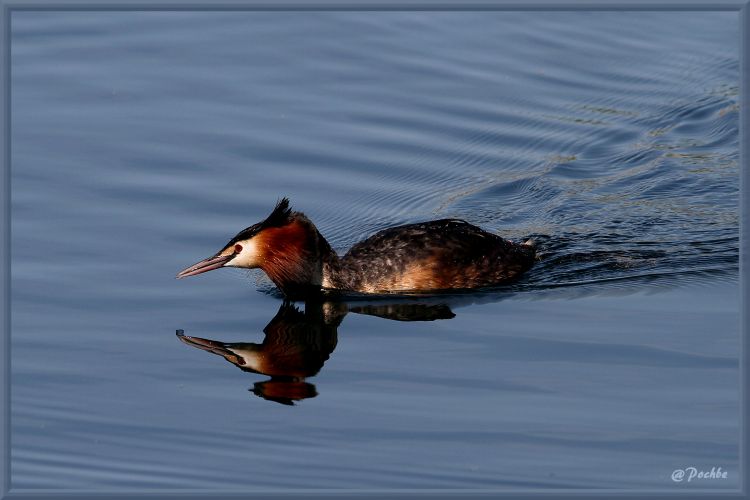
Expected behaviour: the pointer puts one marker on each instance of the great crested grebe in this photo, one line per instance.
(429, 256)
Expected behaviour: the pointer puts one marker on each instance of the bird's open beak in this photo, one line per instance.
(208, 264)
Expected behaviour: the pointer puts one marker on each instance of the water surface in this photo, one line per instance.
(142, 141)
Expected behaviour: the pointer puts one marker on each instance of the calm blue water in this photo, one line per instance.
(141, 142)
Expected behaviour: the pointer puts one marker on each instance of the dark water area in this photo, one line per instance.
(142, 141)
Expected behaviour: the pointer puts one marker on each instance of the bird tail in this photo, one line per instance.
(532, 245)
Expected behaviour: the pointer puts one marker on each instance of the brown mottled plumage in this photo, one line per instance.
(429, 256)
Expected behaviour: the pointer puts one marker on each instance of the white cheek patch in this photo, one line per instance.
(252, 359)
(248, 257)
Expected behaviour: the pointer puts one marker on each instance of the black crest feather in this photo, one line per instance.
(279, 217)
(280, 214)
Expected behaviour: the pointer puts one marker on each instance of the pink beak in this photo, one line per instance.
(208, 264)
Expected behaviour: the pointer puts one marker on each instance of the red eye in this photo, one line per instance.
(237, 248)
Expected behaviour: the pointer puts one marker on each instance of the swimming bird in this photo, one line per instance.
(446, 254)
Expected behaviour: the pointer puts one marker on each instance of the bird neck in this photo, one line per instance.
(298, 258)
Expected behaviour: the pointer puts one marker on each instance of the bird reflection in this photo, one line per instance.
(298, 342)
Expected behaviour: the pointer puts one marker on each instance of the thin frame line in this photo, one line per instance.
(288, 6)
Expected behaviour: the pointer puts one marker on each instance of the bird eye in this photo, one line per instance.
(237, 248)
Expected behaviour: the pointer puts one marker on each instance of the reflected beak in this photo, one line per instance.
(204, 344)
(208, 264)
(212, 346)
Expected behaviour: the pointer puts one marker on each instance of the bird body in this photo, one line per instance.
(444, 254)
